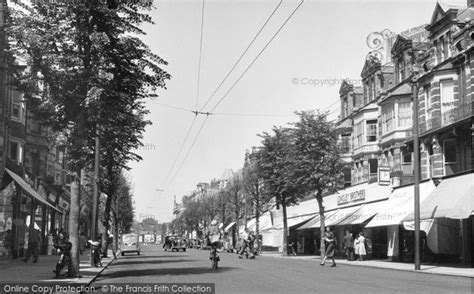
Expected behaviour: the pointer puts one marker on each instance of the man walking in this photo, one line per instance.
(34, 239)
(349, 246)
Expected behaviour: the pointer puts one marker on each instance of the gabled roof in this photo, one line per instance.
(370, 63)
(399, 44)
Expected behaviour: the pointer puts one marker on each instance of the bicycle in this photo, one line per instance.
(64, 264)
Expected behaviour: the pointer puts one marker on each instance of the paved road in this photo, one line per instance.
(271, 275)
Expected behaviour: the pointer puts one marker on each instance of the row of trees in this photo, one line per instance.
(295, 161)
(85, 72)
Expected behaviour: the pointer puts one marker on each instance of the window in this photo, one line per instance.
(447, 95)
(428, 108)
(354, 100)
(371, 130)
(345, 106)
(449, 148)
(14, 150)
(388, 117)
(345, 143)
(406, 157)
(358, 134)
(401, 69)
(404, 114)
(16, 111)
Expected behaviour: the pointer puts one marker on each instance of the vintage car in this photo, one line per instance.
(129, 243)
(175, 243)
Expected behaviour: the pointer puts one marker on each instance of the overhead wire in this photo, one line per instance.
(241, 56)
(179, 153)
(200, 56)
(189, 151)
(240, 77)
(197, 100)
(258, 55)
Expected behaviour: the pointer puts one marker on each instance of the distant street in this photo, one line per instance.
(271, 275)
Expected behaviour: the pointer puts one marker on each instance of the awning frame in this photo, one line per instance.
(29, 190)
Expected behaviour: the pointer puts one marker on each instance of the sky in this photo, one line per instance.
(302, 68)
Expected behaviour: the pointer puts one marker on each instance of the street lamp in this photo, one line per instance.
(416, 165)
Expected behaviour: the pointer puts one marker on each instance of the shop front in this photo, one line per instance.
(447, 212)
(387, 223)
(22, 208)
(347, 210)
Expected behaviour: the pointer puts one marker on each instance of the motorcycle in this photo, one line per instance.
(64, 264)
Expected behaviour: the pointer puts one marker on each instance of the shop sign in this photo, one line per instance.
(384, 175)
(358, 195)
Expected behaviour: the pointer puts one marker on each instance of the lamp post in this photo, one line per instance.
(416, 165)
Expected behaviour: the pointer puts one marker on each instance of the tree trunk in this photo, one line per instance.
(285, 227)
(257, 223)
(319, 198)
(74, 226)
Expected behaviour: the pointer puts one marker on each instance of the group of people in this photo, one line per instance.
(355, 248)
(248, 238)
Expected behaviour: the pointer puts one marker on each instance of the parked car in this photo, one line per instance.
(129, 243)
(175, 243)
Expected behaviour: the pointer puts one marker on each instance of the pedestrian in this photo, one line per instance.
(330, 241)
(245, 236)
(291, 248)
(349, 246)
(360, 245)
(34, 241)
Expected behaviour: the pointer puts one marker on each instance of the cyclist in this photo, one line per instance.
(213, 237)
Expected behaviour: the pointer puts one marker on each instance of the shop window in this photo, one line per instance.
(371, 130)
(449, 148)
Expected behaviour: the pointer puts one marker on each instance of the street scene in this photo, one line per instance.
(236, 146)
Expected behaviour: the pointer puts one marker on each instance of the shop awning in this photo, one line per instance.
(294, 221)
(453, 198)
(400, 204)
(364, 213)
(340, 215)
(264, 222)
(316, 221)
(229, 226)
(24, 185)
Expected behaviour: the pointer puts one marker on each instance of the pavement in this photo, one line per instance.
(16, 270)
(446, 270)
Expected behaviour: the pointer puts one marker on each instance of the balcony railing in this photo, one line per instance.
(448, 117)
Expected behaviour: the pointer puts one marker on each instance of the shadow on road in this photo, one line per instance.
(149, 261)
(143, 256)
(163, 272)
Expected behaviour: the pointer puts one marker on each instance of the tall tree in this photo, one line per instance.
(317, 167)
(81, 57)
(235, 196)
(253, 186)
(276, 164)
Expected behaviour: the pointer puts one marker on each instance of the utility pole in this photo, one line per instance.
(416, 166)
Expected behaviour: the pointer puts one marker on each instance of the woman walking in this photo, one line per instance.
(330, 247)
